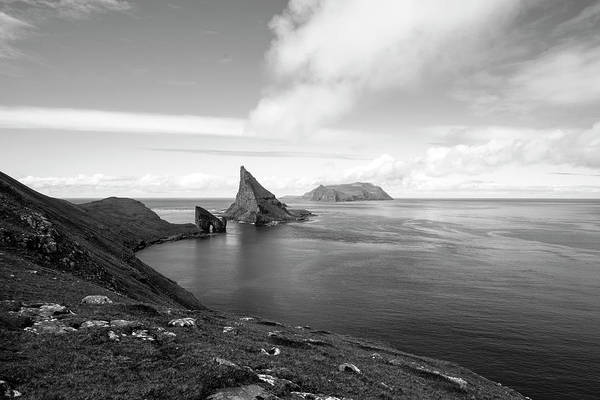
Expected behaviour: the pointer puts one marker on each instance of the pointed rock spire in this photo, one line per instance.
(256, 205)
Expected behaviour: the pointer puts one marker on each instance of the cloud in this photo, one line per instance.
(100, 185)
(442, 167)
(112, 121)
(542, 65)
(562, 77)
(72, 9)
(327, 54)
(487, 162)
(19, 17)
(11, 29)
(269, 154)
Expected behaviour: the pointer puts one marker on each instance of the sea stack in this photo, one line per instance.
(256, 205)
(208, 223)
(347, 192)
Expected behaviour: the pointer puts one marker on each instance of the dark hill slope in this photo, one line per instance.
(94, 242)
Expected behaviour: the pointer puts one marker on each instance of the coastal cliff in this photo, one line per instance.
(82, 318)
(347, 192)
(256, 205)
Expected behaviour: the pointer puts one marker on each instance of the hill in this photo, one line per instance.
(94, 241)
(347, 192)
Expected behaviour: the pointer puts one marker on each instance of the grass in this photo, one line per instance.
(86, 364)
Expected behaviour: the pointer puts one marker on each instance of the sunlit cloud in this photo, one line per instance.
(326, 54)
(112, 121)
(269, 154)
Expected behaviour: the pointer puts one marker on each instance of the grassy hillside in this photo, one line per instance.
(94, 241)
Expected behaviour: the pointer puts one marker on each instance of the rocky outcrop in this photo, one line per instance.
(347, 192)
(256, 205)
(208, 223)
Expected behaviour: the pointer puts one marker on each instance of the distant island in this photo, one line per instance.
(347, 192)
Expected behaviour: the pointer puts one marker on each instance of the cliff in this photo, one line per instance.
(94, 241)
(347, 192)
(208, 223)
(256, 205)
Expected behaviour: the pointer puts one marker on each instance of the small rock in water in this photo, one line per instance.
(113, 336)
(273, 351)
(96, 299)
(247, 392)
(182, 322)
(94, 324)
(228, 329)
(348, 367)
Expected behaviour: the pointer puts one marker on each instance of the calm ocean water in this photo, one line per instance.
(507, 288)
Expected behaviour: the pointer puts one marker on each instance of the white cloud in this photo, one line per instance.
(101, 185)
(327, 54)
(16, 16)
(111, 121)
(448, 167)
(561, 77)
(11, 29)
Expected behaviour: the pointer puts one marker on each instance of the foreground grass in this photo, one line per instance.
(86, 364)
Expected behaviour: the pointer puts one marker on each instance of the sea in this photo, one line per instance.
(507, 288)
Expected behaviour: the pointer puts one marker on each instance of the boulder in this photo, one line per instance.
(311, 396)
(347, 367)
(7, 392)
(256, 205)
(273, 351)
(94, 324)
(50, 326)
(281, 387)
(227, 363)
(121, 323)
(42, 310)
(96, 299)
(182, 322)
(143, 335)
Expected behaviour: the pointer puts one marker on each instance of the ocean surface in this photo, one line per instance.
(507, 288)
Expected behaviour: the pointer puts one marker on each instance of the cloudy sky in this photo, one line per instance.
(155, 98)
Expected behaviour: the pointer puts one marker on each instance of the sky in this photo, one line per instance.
(427, 98)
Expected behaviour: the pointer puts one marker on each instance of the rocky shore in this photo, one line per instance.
(82, 318)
